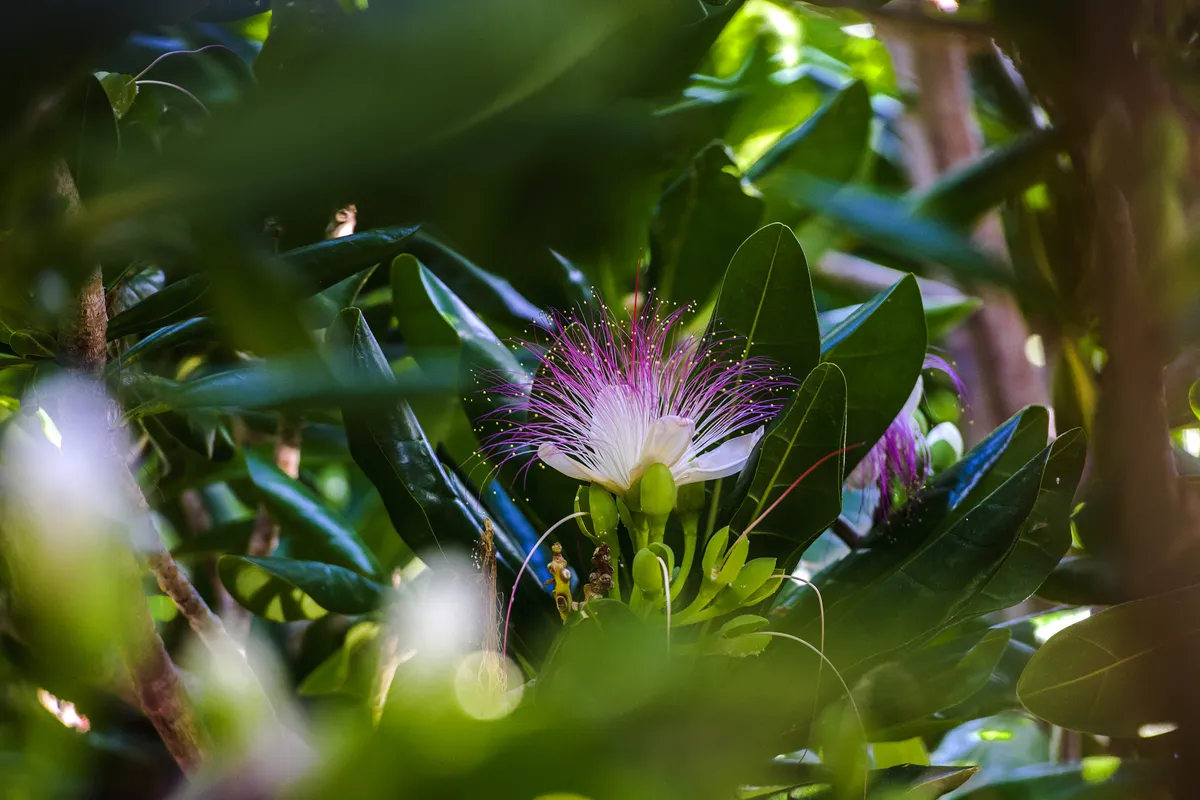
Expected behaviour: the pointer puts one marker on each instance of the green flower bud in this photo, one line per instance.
(604, 511)
(713, 551)
(734, 561)
(647, 573)
(665, 553)
(657, 495)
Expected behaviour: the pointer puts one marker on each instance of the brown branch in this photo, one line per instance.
(156, 682)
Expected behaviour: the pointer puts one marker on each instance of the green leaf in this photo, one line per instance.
(436, 323)
(914, 582)
(315, 267)
(830, 144)
(1093, 778)
(336, 673)
(284, 590)
(320, 309)
(312, 529)
(962, 196)
(1045, 536)
(1089, 677)
(1085, 580)
(890, 225)
(880, 349)
(390, 447)
(1194, 398)
(812, 426)
(33, 344)
(295, 383)
(899, 695)
(700, 221)
(766, 296)
(186, 332)
(121, 91)
(942, 314)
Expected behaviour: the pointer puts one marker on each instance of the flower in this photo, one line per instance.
(610, 399)
(901, 457)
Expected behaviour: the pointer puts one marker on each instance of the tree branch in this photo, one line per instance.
(156, 682)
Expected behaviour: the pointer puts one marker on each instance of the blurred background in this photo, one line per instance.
(258, 258)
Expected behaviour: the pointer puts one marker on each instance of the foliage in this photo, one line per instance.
(273, 374)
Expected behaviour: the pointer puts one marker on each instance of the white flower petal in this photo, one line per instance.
(551, 456)
(727, 459)
(914, 400)
(670, 437)
(865, 474)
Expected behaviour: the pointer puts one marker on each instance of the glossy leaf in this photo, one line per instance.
(315, 267)
(830, 144)
(284, 590)
(889, 224)
(312, 528)
(390, 447)
(1045, 536)
(810, 428)
(186, 332)
(766, 297)
(1098, 675)
(436, 323)
(962, 196)
(923, 580)
(900, 695)
(700, 222)
(880, 349)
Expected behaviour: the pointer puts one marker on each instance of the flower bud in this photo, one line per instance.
(665, 553)
(714, 550)
(647, 573)
(657, 495)
(604, 511)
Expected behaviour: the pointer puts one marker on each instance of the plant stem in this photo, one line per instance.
(690, 533)
(156, 682)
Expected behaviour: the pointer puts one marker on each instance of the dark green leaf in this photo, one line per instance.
(490, 295)
(186, 332)
(33, 344)
(811, 427)
(890, 225)
(899, 695)
(298, 383)
(880, 349)
(121, 91)
(962, 196)
(922, 579)
(701, 220)
(766, 297)
(1045, 536)
(284, 590)
(436, 323)
(829, 145)
(315, 267)
(320, 309)
(1085, 580)
(1094, 675)
(941, 314)
(313, 530)
(390, 447)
